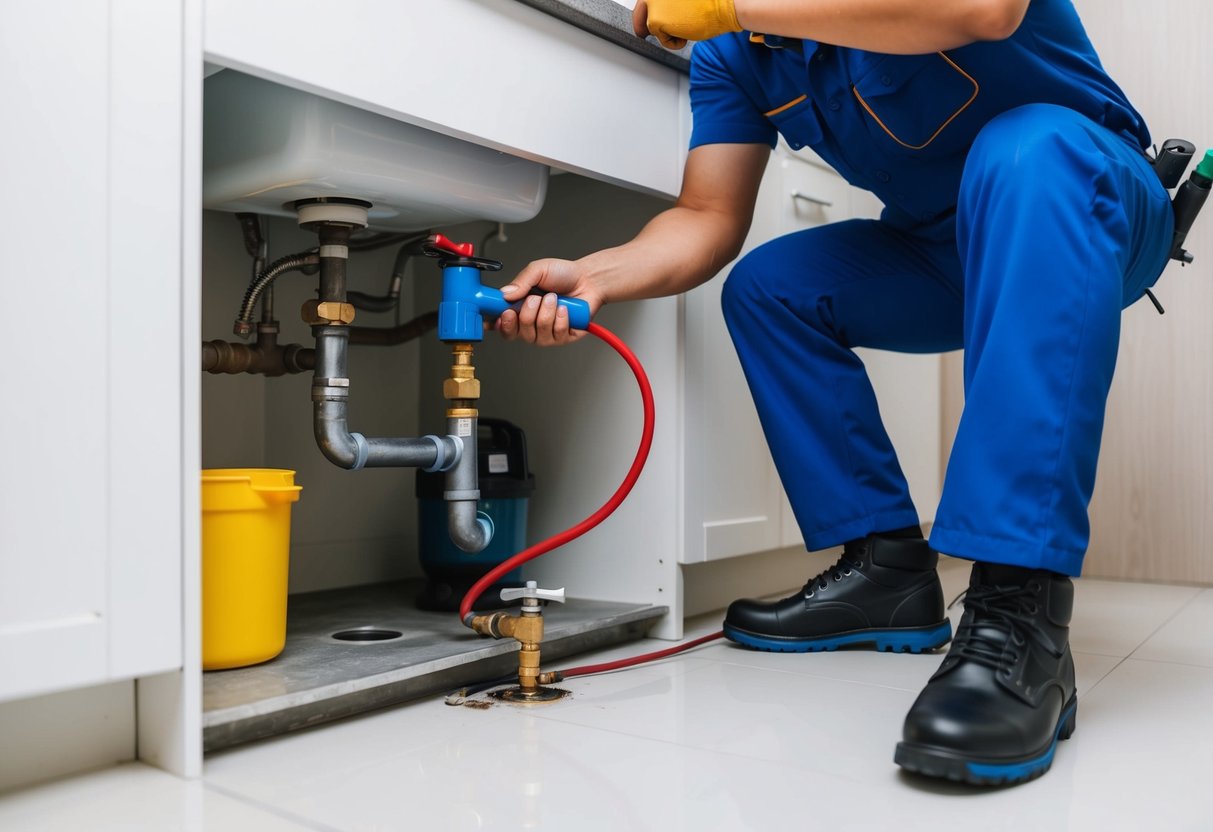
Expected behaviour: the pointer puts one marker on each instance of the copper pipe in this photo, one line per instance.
(266, 357)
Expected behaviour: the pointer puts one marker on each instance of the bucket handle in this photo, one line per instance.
(278, 493)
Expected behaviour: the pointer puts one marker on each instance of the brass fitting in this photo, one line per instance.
(463, 385)
(527, 629)
(327, 312)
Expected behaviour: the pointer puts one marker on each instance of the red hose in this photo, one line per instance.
(642, 453)
(619, 664)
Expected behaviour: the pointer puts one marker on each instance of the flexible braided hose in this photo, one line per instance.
(290, 263)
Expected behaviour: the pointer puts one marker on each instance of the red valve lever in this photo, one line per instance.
(440, 242)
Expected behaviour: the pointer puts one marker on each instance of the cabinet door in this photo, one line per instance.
(733, 496)
(90, 492)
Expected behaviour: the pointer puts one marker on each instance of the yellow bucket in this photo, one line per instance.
(246, 538)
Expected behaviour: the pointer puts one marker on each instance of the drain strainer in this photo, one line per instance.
(365, 634)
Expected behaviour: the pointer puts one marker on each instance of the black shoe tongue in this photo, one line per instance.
(997, 574)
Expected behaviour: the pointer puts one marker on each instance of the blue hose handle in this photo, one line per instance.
(579, 310)
(492, 303)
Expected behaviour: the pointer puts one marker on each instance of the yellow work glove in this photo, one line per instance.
(674, 22)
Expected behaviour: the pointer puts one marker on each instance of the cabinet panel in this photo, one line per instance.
(53, 485)
(145, 209)
(731, 488)
(90, 495)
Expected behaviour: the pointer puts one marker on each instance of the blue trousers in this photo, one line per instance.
(1059, 226)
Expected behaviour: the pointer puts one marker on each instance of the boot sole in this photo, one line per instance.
(898, 640)
(950, 765)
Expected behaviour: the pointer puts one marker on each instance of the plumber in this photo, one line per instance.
(1021, 215)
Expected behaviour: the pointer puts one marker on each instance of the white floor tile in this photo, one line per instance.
(1142, 754)
(893, 670)
(825, 725)
(720, 738)
(1185, 639)
(133, 798)
(1114, 618)
(307, 759)
(526, 772)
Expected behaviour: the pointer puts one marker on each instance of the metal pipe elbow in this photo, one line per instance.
(339, 446)
(470, 530)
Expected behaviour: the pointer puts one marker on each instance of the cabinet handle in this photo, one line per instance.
(824, 203)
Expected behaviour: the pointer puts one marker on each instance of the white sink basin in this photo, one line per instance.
(266, 145)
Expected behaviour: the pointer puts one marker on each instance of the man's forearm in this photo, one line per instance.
(888, 26)
(678, 250)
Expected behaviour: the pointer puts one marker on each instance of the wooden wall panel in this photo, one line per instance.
(1152, 513)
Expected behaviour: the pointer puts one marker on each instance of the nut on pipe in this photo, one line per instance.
(461, 388)
(327, 313)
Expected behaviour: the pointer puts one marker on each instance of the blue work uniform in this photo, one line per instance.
(1021, 215)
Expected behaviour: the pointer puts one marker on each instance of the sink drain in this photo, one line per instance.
(364, 634)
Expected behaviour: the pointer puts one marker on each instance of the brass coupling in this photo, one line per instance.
(327, 313)
(462, 387)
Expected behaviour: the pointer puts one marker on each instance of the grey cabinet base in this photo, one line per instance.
(318, 678)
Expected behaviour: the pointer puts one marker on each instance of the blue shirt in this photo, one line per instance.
(901, 126)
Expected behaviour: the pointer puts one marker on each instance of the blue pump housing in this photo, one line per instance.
(466, 303)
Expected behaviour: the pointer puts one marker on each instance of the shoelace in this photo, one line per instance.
(999, 613)
(845, 565)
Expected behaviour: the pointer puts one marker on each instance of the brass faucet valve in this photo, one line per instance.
(327, 312)
(527, 629)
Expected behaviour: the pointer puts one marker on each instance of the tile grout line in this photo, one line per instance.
(1167, 621)
(284, 814)
(1140, 644)
(1170, 662)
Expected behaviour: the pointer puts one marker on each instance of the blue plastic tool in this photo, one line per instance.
(466, 302)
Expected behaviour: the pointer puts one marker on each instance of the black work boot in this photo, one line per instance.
(1004, 694)
(883, 591)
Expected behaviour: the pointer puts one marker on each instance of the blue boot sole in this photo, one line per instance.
(893, 640)
(951, 765)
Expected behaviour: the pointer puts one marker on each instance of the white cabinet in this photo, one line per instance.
(91, 486)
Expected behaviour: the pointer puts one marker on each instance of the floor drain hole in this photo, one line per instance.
(368, 634)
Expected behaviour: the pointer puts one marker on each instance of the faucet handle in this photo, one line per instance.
(450, 253)
(437, 245)
(532, 590)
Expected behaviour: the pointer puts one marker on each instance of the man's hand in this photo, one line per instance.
(540, 320)
(674, 22)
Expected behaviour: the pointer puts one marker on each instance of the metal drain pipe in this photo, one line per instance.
(330, 316)
(330, 398)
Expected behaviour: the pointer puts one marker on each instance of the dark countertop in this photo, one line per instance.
(613, 22)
